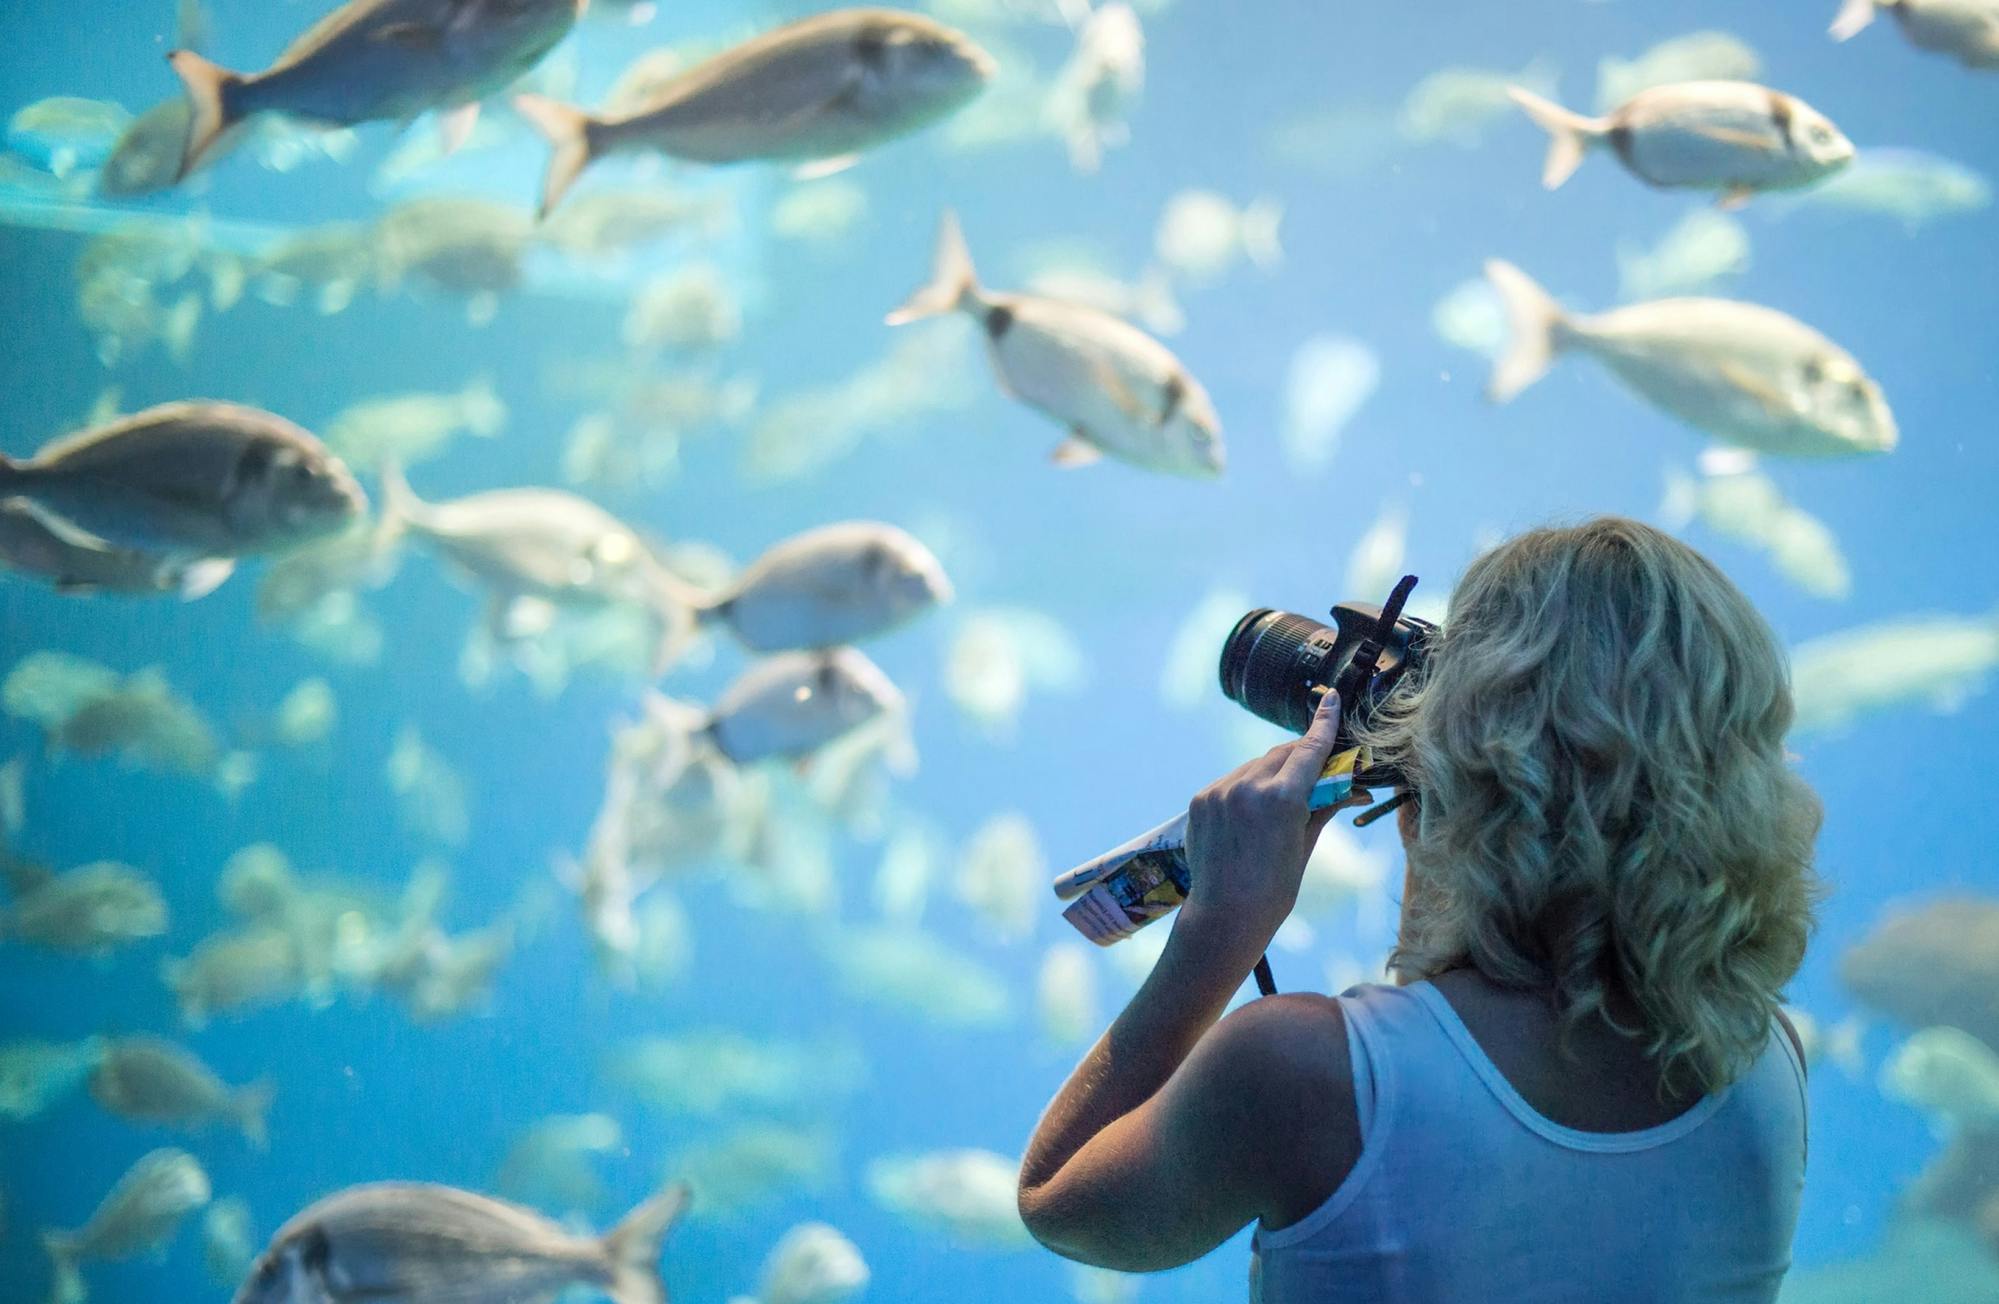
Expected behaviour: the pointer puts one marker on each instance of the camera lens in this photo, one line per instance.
(1272, 662)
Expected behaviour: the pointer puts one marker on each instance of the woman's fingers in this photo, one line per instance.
(1307, 757)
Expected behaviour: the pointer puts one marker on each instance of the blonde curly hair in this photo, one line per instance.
(1606, 806)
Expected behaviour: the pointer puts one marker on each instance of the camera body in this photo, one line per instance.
(1278, 665)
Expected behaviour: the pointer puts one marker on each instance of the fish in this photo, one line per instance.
(819, 91)
(690, 309)
(1702, 248)
(822, 213)
(549, 1163)
(1737, 138)
(1694, 57)
(1098, 89)
(411, 1243)
(1329, 380)
(378, 60)
(785, 706)
(997, 656)
(1968, 30)
(1950, 1074)
(1002, 876)
(1911, 186)
(459, 244)
(35, 1074)
(969, 1195)
(1748, 506)
(30, 546)
(91, 910)
(1376, 561)
(233, 972)
(536, 549)
(153, 1080)
(228, 1245)
(1940, 661)
(66, 134)
(1201, 234)
(307, 714)
(1065, 994)
(835, 584)
(191, 480)
(408, 428)
(813, 1264)
(1115, 388)
(922, 975)
(707, 1071)
(611, 224)
(139, 1215)
(754, 1164)
(1748, 375)
(1456, 105)
(432, 798)
(145, 723)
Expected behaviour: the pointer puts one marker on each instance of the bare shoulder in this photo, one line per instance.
(1284, 1065)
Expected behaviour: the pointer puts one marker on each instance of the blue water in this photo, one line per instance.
(1117, 555)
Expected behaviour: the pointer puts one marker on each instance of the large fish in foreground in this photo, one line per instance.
(410, 1243)
(831, 585)
(1115, 388)
(1966, 29)
(1734, 137)
(1748, 375)
(185, 481)
(379, 60)
(818, 91)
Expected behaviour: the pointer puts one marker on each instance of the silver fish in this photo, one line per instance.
(235, 971)
(153, 1080)
(832, 585)
(29, 545)
(377, 60)
(1114, 387)
(192, 479)
(785, 706)
(1738, 138)
(408, 1243)
(91, 910)
(529, 546)
(1966, 29)
(140, 1215)
(818, 91)
(1748, 375)
(147, 158)
(228, 1246)
(36, 1074)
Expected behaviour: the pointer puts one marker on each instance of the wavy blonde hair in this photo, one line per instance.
(1606, 807)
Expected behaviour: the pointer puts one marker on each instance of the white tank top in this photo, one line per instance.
(1463, 1192)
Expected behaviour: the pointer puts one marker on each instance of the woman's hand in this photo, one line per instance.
(1250, 832)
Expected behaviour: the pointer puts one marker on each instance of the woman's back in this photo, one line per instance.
(1463, 1190)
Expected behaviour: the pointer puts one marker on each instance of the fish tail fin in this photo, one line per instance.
(251, 1106)
(678, 608)
(211, 89)
(570, 134)
(400, 506)
(1854, 17)
(953, 279)
(66, 1283)
(1262, 221)
(1537, 325)
(1570, 134)
(633, 1247)
(682, 727)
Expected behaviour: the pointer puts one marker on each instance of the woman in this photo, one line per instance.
(1582, 1088)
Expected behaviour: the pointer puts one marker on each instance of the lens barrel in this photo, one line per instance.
(1272, 662)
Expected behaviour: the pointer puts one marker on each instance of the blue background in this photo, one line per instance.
(1115, 554)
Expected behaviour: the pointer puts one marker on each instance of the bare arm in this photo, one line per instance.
(1172, 1132)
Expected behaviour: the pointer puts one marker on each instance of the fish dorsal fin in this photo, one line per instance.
(1075, 451)
(455, 126)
